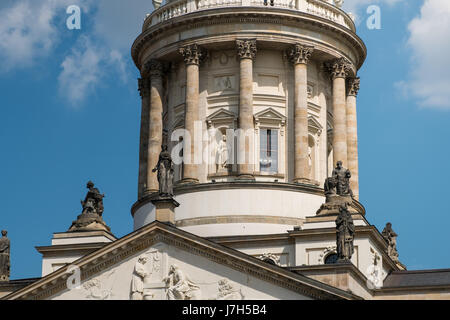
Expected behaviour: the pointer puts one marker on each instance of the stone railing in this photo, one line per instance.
(321, 8)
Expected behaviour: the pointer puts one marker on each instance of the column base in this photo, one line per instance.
(304, 181)
(245, 177)
(148, 192)
(165, 209)
(187, 181)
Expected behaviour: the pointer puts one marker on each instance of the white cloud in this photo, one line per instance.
(26, 32)
(428, 42)
(31, 29)
(81, 72)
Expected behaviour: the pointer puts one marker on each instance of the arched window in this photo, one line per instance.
(331, 258)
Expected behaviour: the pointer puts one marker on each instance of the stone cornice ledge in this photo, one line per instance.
(189, 188)
(221, 15)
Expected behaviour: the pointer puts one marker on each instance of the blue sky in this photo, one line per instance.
(69, 112)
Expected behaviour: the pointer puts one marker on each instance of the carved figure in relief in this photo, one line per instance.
(180, 287)
(229, 291)
(140, 273)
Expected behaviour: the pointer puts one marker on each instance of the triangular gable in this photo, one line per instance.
(209, 265)
(270, 114)
(314, 125)
(220, 115)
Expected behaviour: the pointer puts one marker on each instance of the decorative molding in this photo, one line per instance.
(271, 258)
(314, 126)
(353, 85)
(325, 253)
(246, 48)
(220, 117)
(299, 54)
(237, 15)
(154, 68)
(339, 68)
(193, 54)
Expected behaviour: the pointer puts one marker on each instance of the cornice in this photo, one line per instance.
(200, 187)
(239, 15)
(145, 237)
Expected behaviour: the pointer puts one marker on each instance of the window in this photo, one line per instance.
(331, 258)
(269, 150)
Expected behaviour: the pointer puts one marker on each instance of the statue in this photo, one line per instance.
(342, 177)
(222, 153)
(337, 191)
(391, 237)
(139, 275)
(90, 218)
(164, 167)
(180, 287)
(93, 203)
(345, 231)
(4, 257)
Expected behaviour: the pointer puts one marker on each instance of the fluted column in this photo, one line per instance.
(144, 90)
(247, 52)
(193, 55)
(339, 71)
(352, 135)
(155, 69)
(299, 56)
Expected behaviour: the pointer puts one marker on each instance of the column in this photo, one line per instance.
(247, 52)
(352, 135)
(193, 55)
(299, 56)
(339, 71)
(155, 126)
(144, 90)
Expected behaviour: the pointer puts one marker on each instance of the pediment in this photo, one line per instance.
(144, 265)
(270, 114)
(314, 125)
(220, 115)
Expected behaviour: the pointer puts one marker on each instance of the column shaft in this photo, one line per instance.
(299, 56)
(247, 52)
(156, 124)
(193, 55)
(352, 136)
(144, 89)
(339, 70)
(190, 173)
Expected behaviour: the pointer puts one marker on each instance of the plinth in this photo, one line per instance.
(165, 209)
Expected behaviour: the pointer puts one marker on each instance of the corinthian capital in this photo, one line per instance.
(193, 54)
(299, 54)
(353, 86)
(246, 48)
(154, 68)
(339, 68)
(144, 86)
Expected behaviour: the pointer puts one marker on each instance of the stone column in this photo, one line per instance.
(155, 128)
(193, 55)
(352, 135)
(339, 71)
(299, 56)
(246, 52)
(144, 90)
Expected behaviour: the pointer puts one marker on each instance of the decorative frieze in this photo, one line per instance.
(299, 54)
(246, 48)
(193, 54)
(339, 68)
(353, 86)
